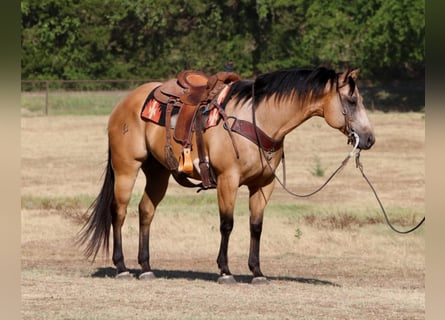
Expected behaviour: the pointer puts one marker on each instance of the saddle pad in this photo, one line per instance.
(155, 111)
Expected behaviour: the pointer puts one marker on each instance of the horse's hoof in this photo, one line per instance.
(226, 279)
(147, 275)
(124, 275)
(260, 280)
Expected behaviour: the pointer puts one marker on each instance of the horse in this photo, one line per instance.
(273, 104)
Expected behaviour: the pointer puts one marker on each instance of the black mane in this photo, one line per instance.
(283, 83)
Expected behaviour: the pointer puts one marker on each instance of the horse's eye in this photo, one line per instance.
(352, 101)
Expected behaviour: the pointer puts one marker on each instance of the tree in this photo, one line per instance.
(92, 39)
(393, 42)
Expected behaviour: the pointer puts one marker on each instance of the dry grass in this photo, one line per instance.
(344, 263)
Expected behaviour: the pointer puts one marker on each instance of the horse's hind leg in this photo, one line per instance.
(155, 188)
(125, 177)
(258, 199)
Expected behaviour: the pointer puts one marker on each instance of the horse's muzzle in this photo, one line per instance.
(366, 141)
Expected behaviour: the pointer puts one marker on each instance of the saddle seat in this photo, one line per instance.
(193, 87)
(189, 86)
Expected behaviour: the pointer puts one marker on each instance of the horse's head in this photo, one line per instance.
(346, 111)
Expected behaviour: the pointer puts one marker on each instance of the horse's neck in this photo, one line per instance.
(278, 119)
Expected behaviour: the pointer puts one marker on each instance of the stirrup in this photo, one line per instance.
(186, 164)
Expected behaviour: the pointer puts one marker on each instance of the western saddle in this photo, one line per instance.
(191, 91)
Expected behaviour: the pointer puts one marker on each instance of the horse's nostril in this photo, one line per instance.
(371, 141)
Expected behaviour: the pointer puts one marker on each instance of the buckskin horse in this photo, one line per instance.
(242, 146)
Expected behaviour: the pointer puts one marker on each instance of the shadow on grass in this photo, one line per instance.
(110, 272)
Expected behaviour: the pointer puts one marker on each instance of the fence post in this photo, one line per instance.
(46, 97)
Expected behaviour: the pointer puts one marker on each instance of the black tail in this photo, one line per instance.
(96, 231)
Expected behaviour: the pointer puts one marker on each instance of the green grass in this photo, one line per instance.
(56, 203)
(96, 102)
(328, 217)
(71, 103)
(318, 170)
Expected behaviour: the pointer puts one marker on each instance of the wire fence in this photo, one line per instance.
(98, 97)
(45, 96)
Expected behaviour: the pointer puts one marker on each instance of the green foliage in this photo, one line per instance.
(394, 38)
(91, 39)
(318, 169)
(298, 233)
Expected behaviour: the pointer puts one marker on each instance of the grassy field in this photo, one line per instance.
(328, 257)
(70, 102)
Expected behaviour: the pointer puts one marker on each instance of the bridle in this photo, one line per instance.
(348, 129)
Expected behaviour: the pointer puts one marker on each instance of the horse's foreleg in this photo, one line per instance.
(155, 188)
(258, 199)
(227, 190)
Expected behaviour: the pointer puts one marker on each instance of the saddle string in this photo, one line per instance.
(343, 164)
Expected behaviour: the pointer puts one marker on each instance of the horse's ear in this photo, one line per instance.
(343, 77)
(354, 73)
